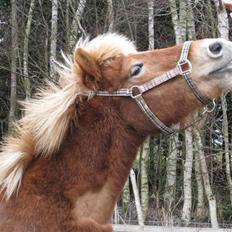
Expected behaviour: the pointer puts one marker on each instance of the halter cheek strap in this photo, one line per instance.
(136, 91)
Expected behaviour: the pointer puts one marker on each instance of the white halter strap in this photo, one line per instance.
(136, 91)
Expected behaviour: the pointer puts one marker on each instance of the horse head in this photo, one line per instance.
(207, 63)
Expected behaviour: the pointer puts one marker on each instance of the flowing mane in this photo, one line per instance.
(51, 110)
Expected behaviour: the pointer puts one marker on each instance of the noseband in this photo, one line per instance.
(136, 91)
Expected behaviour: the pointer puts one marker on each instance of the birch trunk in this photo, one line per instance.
(137, 200)
(126, 195)
(200, 189)
(170, 186)
(146, 146)
(110, 15)
(53, 38)
(186, 213)
(223, 24)
(76, 25)
(176, 21)
(14, 51)
(205, 176)
(183, 19)
(169, 195)
(26, 80)
(116, 214)
(223, 27)
(226, 144)
(151, 24)
(144, 176)
(191, 32)
(67, 22)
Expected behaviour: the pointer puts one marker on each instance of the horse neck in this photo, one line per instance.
(100, 150)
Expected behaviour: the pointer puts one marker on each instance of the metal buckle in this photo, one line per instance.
(181, 64)
(210, 108)
(134, 89)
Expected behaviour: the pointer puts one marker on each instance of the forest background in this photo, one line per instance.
(183, 179)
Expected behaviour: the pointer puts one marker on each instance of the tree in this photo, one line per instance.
(53, 39)
(26, 80)
(187, 207)
(136, 196)
(14, 52)
(205, 175)
(200, 189)
(76, 27)
(170, 185)
(223, 28)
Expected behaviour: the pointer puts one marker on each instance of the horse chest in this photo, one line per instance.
(95, 205)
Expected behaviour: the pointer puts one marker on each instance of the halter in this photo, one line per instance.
(136, 91)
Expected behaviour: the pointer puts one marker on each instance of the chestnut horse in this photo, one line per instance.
(66, 162)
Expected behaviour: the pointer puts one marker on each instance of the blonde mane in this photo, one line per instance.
(48, 114)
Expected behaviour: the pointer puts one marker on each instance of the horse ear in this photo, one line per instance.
(87, 63)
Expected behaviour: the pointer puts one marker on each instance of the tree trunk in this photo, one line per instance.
(191, 32)
(186, 213)
(67, 22)
(53, 38)
(183, 19)
(26, 80)
(200, 189)
(223, 24)
(14, 52)
(76, 25)
(177, 20)
(110, 15)
(144, 176)
(126, 195)
(151, 24)
(205, 175)
(170, 186)
(137, 200)
(223, 27)
(179, 25)
(226, 144)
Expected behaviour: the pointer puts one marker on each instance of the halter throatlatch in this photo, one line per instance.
(183, 68)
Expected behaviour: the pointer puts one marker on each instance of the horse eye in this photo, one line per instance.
(136, 69)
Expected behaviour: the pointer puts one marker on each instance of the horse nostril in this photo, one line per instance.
(215, 48)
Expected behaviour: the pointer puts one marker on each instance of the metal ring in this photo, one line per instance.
(181, 68)
(135, 88)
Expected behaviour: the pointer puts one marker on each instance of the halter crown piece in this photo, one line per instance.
(136, 91)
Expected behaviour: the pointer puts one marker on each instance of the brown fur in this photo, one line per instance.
(76, 188)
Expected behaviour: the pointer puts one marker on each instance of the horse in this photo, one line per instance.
(65, 163)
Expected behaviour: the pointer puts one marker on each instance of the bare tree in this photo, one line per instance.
(53, 39)
(205, 175)
(144, 176)
(200, 189)
(186, 212)
(14, 51)
(151, 24)
(223, 28)
(110, 15)
(170, 185)
(137, 200)
(226, 143)
(76, 26)
(26, 80)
